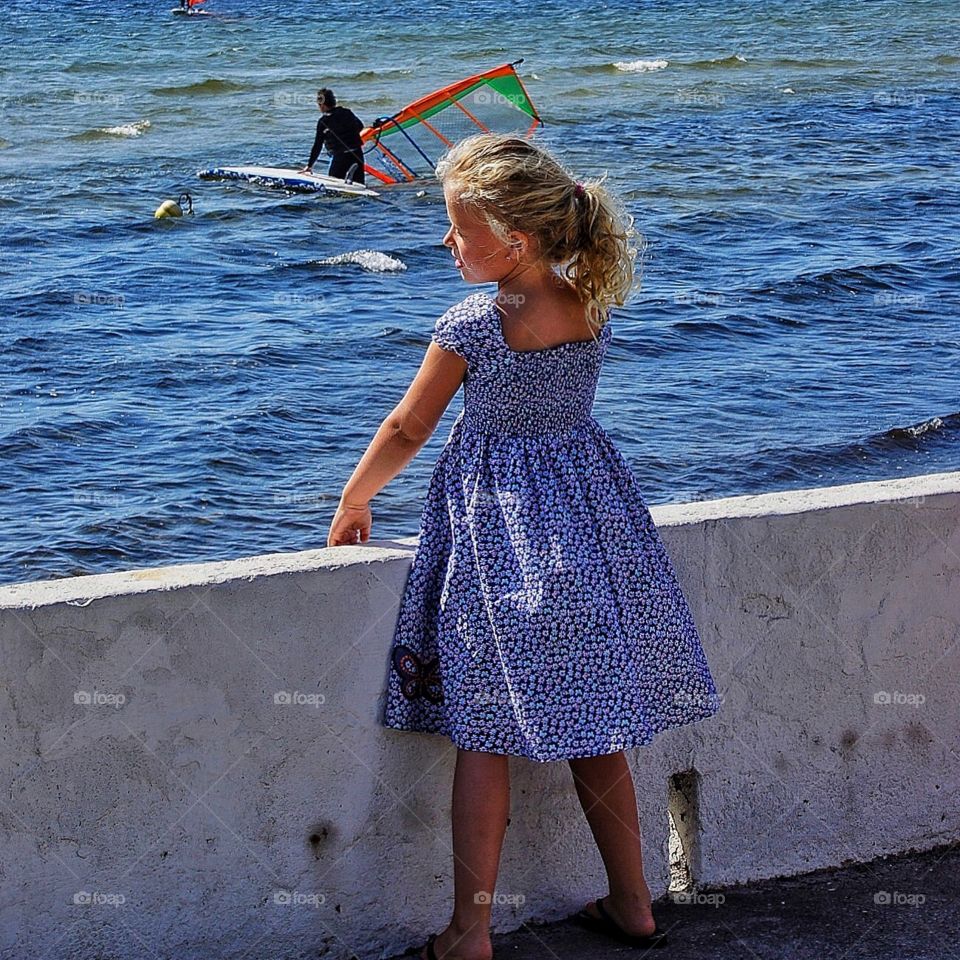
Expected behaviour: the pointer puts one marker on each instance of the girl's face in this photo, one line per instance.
(479, 254)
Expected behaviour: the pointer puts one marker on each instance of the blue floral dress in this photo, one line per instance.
(541, 616)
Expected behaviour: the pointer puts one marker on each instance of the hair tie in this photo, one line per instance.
(578, 190)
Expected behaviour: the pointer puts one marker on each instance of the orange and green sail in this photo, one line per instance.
(408, 145)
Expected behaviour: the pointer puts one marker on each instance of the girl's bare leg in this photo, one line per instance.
(605, 789)
(481, 805)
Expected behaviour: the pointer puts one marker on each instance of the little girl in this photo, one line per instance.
(542, 617)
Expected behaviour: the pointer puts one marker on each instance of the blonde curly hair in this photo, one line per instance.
(580, 228)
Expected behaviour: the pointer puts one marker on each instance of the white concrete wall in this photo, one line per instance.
(187, 809)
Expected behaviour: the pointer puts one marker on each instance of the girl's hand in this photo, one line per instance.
(351, 521)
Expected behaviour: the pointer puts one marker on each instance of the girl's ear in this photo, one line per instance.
(519, 242)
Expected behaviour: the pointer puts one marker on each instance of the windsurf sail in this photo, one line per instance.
(407, 146)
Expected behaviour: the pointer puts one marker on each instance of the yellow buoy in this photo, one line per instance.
(169, 208)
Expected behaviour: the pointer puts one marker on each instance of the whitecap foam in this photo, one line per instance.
(372, 260)
(920, 428)
(641, 66)
(126, 129)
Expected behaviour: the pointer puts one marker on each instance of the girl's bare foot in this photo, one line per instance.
(635, 916)
(454, 944)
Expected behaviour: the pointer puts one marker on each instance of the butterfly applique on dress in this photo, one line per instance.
(419, 678)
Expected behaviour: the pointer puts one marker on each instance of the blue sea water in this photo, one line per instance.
(202, 389)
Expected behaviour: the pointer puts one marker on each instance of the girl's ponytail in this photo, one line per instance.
(600, 262)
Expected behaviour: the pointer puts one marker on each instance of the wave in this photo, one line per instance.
(201, 88)
(843, 459)
(301, 81)
(90, 66)
(135, 129)
(716, 322)
(269, 354)
(371, 103)
(736, 60)
(55, 296)
(815, 63)
(901, 435)
(915, 436)
(37, 436)
(641, 66)
(897, 281)
(582, 93)
(375, 74)
(372, 260)
(28, 344)
(661, 63)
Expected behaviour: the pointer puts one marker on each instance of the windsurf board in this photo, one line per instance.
(287, 178)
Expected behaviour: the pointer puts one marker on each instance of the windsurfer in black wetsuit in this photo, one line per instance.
(339, 128)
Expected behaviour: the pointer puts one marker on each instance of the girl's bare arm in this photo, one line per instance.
(401, 435)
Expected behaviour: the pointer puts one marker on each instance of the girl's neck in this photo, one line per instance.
(529, 284)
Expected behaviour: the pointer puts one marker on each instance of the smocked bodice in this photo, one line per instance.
(510, 391)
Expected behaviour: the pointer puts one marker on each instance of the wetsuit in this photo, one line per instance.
(340, 130)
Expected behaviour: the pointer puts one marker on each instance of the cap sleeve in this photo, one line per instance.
(456, 330)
